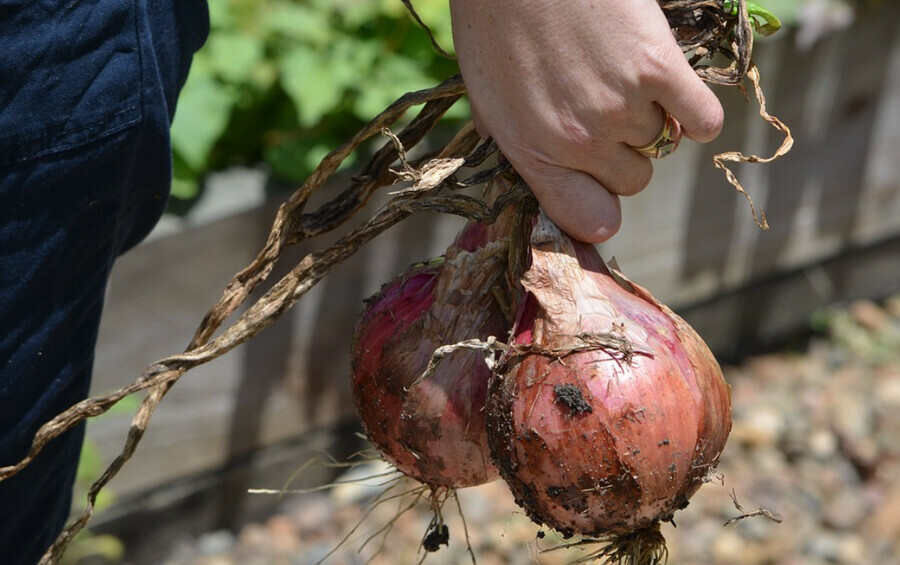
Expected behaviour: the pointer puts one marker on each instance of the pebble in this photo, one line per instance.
(822, 444)
(845, 510)
(312, 512)
(761, 427)
(852, 549)
(282, 533)
(887, 393)
(728, 547)
(213, 543)
(215, 560)
(852, 415)
(362, 483)
(892, 306)
(870, 315)
(885, 520)
(825, 546)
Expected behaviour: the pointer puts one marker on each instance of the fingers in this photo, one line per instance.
(578, 204)
(647, 134)
(479, 124)
(621, 170)
(671, 82)
(701, 117)
(690, 101)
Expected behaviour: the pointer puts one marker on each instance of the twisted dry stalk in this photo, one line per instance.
(702, 30)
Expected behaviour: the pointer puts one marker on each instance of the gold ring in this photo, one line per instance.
(666, 142)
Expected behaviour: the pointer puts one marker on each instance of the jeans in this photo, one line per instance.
(87, 95)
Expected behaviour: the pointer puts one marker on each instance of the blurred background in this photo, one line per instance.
(805, 317)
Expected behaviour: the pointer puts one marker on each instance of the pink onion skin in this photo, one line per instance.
(602, 441)
(433, 431)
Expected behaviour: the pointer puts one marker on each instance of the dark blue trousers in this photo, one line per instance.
(87, 95)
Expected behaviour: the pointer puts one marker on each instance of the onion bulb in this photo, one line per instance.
(432, 429)
(608, 410)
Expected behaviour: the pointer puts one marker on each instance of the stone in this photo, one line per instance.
(363, 482)
(892, 306)
(825, 545)
(845, 510)
(885, 519)
(869, 315)
(760, 427)
(822, 444)
(887, 392)
(729, 547)
(212, 543)
(283, 534)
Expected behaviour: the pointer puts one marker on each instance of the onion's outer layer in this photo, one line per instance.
(432, 430)
(610, 410)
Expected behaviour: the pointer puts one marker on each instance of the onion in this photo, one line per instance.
(433, 429)
(608, 410)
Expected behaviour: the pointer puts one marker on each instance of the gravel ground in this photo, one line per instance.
(816, 441)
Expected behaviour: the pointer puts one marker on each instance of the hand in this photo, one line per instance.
(566, 87)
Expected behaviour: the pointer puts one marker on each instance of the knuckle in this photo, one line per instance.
(658, 62)
(573, 133)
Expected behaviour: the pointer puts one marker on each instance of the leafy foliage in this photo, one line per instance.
(284, 81)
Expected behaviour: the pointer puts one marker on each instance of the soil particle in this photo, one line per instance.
(437, 536)
(570, 498)
(570, 396)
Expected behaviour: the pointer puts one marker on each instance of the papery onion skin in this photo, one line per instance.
(433, 431)
(610, 410)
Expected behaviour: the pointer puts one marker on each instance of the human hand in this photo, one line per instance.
(567, 88)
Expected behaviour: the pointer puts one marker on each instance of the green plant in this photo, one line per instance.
(282, 82)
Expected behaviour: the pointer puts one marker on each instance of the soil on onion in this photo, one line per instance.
(570, 396)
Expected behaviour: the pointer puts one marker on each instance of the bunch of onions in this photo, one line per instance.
(604, 415)
(432, 429)
(608, 410)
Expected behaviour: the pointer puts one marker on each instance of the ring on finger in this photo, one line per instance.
(666, 141)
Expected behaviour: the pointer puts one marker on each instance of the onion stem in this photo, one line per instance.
(764, 22)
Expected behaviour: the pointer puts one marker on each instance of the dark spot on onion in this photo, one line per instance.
(570, 497)
(570, 396)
